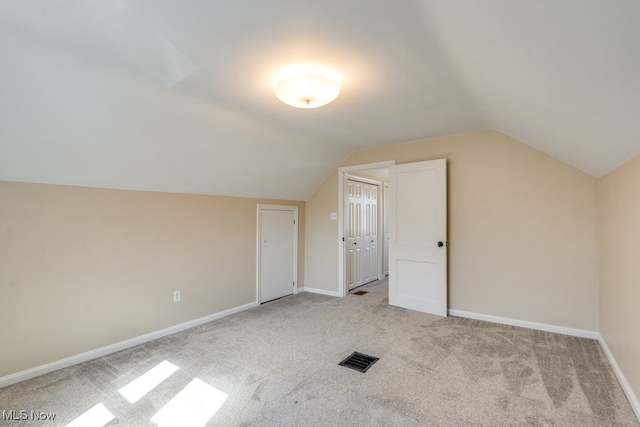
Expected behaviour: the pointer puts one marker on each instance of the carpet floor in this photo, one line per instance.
(277, 365)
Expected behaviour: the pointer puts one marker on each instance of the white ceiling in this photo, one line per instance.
(177, 96)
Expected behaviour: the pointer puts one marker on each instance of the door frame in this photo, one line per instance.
(385, 219)
(260, 208)
(342, 177)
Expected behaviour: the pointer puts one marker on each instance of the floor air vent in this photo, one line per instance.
(358, 361)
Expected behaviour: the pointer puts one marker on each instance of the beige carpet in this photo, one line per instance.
(277, 365)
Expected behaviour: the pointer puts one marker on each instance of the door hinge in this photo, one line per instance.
(294, 284)
(294, 222)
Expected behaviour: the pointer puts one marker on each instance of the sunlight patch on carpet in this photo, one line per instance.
(146, 382)
(194, 406)
(97, 416)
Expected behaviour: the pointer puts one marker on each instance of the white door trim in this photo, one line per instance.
(342, 288)
(384, 194)
(260, 208)
(363, 180)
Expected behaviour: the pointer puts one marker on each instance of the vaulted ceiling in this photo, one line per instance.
(177, 96)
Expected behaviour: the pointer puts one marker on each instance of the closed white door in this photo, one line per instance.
(277, 248)
(354, 233)
(370, 233)
(361, 233)
(418, 236)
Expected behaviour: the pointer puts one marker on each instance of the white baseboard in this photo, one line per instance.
(320, 291)
(631, 396)
(112, 348)
(581, 333)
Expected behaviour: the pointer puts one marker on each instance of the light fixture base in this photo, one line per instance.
(307, 91)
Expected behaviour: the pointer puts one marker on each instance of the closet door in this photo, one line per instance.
(354, 233)
(370, 233)
(277, 249)
(361, 233)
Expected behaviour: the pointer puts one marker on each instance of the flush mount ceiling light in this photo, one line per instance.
(307, 90)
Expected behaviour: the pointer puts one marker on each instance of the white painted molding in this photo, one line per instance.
(320, 291)
(581, 333)
(631, 396)
(112, 348)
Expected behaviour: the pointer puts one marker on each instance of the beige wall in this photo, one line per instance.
(619, 217)
(522, 229)
(82, 268)
(321, 270)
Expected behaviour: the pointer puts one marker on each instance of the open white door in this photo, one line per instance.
(418, 236)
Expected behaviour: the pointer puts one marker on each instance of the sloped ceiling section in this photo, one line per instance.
(177, 96)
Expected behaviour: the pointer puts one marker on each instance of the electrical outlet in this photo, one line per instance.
(176, 296)
(333, 216)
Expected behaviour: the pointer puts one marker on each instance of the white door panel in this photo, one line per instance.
(370, 235)
(277, 257)
(355, 264)
(417, 222)
(361, 233)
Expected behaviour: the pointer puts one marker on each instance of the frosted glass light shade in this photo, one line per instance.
(307, 91)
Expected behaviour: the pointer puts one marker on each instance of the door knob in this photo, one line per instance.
(440, 244)
(355, 243)
(372, 241)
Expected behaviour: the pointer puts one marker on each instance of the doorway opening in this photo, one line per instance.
(417, 256)
(368, 174)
